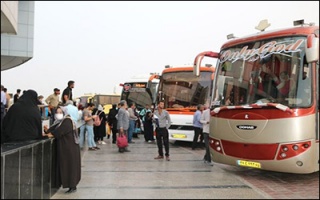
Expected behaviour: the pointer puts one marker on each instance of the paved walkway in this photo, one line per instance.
(108, 174)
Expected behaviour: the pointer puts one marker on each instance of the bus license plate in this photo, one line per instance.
(179, 136)
(246, 163)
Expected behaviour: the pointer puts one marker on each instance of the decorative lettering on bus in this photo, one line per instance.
(246, 127)
(262, 52)
(139, 85)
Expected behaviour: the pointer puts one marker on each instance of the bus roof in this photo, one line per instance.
(295, 31)
(140, 78)
(187, 68)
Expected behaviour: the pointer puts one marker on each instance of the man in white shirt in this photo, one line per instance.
(205, 120)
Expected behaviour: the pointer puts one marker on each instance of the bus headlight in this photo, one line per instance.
(283, 155)
(218, 149)
(306, 145)
(295, 147)
(285, 148)
(217, 143)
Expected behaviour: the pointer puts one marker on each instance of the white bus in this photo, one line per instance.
(181, 92)
(140, 89)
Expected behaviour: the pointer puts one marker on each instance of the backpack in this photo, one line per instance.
(97, 120)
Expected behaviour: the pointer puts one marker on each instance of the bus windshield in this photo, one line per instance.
(105, 99)
(264, 71)
(184, 90)
(139, 93)
(83, 100)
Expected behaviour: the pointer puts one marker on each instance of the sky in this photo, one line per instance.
(100, 44)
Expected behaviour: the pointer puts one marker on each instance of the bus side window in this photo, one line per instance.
(305, 86)
(305, 71)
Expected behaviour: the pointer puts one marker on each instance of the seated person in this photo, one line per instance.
(173, 103)
(284, 84)
(228, 101)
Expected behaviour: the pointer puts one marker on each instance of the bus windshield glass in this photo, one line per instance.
(139, 93)
(105, 99)
(264, 71)
(83, 101)
(184, 89)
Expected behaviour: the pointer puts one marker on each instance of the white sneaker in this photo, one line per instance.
(99, 142)
(102, 142)
(208, 163)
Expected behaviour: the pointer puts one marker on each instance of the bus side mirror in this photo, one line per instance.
(198, 59)
(196, 70)
(149, 84)
(312, 49)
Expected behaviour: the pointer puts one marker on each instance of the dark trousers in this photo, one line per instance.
(197, 132)
(3, 113)
(162, 135)
(53, 112)
(207, 155)
(148, 131)
(114, 135)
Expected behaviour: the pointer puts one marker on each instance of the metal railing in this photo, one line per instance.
(28, 169)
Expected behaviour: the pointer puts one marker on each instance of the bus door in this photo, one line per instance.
(318, 90)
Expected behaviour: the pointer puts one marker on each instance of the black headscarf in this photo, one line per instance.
(23, 120)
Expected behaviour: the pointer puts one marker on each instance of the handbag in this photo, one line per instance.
(122, 141)
(108, 129)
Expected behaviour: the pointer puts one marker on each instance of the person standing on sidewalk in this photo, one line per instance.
(3, 107)
(100, 131)
(64, 129)
(205, 120)
(123, 122)
(23, 120)
(197, 125)
(163, 122)
(88, 126)
(53, 102)
(132, 121)
(16, 96)
(67, 92)
(112, 121)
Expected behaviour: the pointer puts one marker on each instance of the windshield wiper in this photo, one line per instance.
(254, 105)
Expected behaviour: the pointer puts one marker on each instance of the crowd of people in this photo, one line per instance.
(71, 125)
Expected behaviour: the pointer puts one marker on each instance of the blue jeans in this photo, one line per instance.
(132, 124)
(53, 112)
(90, 136)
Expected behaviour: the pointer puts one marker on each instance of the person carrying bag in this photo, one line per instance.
(122, 142)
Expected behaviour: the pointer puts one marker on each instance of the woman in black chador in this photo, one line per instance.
(68, 151)
(23, 120)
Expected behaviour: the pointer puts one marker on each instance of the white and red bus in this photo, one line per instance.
(181, 92)
(265, 102)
